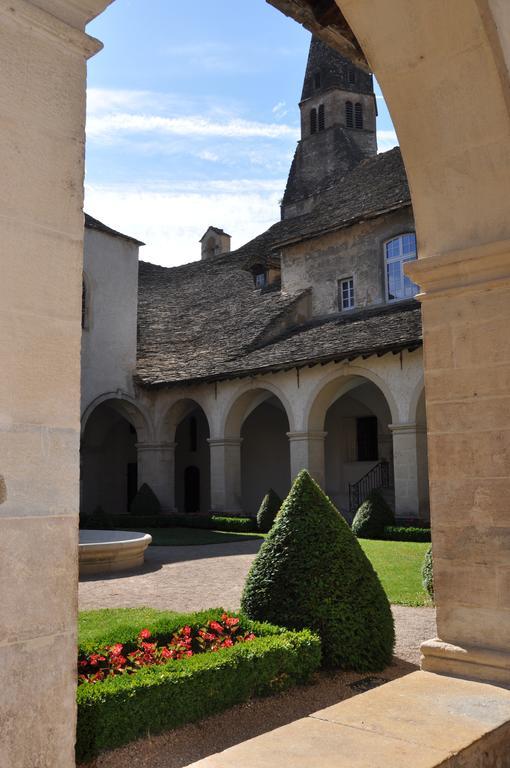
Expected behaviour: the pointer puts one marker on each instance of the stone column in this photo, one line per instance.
(466, 317)
(42, 97)
(405, 469)
(156, 467)
(226, 475)
(307, 452)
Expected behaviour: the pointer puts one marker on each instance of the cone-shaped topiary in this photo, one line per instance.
(372, 517)
(427, 573)
(269, 508)
(311, 572)
(145, 502)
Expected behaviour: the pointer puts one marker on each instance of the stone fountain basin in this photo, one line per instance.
(110, 551)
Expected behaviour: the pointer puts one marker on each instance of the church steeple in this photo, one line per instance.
(338, 128)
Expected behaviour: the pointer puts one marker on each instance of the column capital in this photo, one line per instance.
(313, 434)
(224, 441)
(155, 447)
(408, 428)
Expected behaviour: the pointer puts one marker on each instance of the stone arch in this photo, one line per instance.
(128, 407)
(246, 399)
(175, 412)
(336, 384)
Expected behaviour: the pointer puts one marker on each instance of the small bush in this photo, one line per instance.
(98, 520)
(372, 517)
(427, 573)
(269, 508)
(312, 572)
(406, 533)
(127, 707)
(234, 524)
(145, 503)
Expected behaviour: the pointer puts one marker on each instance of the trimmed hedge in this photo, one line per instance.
(406, 533)
(372, 517)
(427, 573)
(234, 524)
(145, 503)
(312, 572)
(215, 522)
(268, 510)
(127, 707)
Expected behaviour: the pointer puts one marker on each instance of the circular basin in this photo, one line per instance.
(109, 551)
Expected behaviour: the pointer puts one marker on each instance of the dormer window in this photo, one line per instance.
(259, 275)
(397, 251)
(317, 80)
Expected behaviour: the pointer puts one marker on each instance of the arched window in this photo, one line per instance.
(358, 116)
(349, 115)
(313, 120)
(322, 122)
(193, 434)
(397, 251)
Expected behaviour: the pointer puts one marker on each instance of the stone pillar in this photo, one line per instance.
(307, 452)
(466, 317)
(156, 467)
(42, 97)
(405, 469)
(226, 475)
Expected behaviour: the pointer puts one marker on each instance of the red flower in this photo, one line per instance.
(144, 634)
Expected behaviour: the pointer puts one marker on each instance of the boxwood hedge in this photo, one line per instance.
(127, 707)
(406, 533)
(213, 522)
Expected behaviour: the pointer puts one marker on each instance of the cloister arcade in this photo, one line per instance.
(219, 448)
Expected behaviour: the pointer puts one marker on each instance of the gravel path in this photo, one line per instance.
(191, 578)
(208, 576)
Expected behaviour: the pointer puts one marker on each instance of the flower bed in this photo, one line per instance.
(243, 660)
(118, 659)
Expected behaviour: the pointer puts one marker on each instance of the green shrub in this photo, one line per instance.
(372, 517)
(427, 573)
(269, 508)
(406, 533)
(127, 707)
(234, 524)
(312, 572)
(98, 520)
(145, 503)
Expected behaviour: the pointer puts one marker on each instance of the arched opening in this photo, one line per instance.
(108, 459)
(265, 456)
(192, 459)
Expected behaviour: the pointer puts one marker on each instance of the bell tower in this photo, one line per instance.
(338, 126)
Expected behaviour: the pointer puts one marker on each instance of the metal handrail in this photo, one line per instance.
(377, 477)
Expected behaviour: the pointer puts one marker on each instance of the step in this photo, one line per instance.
(422, 720)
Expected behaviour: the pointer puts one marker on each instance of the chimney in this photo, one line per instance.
(214, 242)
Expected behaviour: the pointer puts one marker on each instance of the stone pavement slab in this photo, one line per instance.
(421, 720)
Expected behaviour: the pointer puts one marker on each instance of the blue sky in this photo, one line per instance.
(192, 120)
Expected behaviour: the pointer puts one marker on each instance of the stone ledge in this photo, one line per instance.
(422, 720)
(468, 662)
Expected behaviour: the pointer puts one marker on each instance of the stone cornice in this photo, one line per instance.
(407, 428)
(224, 441)
(156, 447)
(43, 22)
(472, 269)
(313, 435)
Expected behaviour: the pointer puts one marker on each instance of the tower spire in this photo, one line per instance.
(337, 126)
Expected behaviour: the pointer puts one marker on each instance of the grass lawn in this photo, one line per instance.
(184, 537)
(398, 565)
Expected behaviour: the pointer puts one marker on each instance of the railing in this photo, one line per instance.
(377, 477)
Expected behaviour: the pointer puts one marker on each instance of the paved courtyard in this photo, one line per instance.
(208, 576)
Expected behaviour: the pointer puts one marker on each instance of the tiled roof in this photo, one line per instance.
(334, 70)
(206, 320)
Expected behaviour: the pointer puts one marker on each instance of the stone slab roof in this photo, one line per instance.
(206, 321)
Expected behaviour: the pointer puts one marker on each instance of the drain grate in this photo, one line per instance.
(366, 684)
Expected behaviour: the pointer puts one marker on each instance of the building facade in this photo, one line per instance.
(217, 380)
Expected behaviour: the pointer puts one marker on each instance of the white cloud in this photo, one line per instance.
(171, 218)
(386, 140)
(279, 110)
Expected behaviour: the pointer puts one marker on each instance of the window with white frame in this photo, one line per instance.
(346, 293)
(397, 251)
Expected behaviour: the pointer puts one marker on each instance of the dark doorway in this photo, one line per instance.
(191, 490)
(368, 449)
